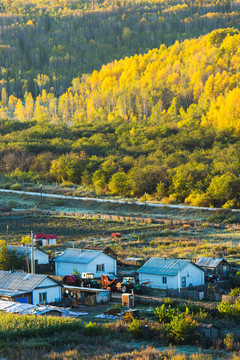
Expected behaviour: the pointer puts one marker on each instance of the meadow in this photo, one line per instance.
(202, 237)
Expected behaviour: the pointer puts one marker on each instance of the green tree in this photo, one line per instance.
(118, 184)
(4, 255)
(99, 182)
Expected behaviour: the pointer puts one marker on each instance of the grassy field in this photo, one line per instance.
(30, 337)
(141, 240)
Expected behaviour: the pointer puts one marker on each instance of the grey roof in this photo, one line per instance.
(161, 266)
(24, 249)
(78, 256)
(11, 293)
(20, 281)
(15, 307)
(209, 262)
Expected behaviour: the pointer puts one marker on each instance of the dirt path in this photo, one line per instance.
(113, 201)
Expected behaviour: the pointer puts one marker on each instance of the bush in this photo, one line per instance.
(229, 342)
(92, 329)
(164, 314)
(136, 328)
(235, 292)
(15, 187)
(229, 310)
(6, 185)
(182, 328)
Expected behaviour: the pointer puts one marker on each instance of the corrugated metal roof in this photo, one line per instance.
(23, 250)
(161, 266)
(209, 262)
(27, 309)
(20, 281)
(78, 256)
(11, 293)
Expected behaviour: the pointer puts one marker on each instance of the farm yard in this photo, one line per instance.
(145, 232)
(139, 239)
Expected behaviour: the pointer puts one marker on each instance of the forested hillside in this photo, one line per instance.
(165, 123)
(44, 44)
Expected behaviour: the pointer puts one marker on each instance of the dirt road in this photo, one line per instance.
(41, 194)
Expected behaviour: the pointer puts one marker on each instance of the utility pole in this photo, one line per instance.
(179, 282)
(32, 256)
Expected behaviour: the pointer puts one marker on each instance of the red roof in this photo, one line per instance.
(44, 236)
(50, 236)
(39, 236)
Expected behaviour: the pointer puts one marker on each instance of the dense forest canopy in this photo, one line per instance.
(165, 123)
(44, 44)
(114, 96)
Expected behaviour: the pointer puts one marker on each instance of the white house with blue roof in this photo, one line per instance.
(29, 288)
(85, 261)
(164, 273)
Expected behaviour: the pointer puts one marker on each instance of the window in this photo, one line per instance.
(184, 282)
(100, 268)
(43, 298)
(164, 280)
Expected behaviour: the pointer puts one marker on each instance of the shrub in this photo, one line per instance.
(229, 341)
(136, 328)
(235, 292)
(229, 310)
(66, 184)
(92, 329)
(15, 187)
(164, 314)
(182, 328)
(6, 185)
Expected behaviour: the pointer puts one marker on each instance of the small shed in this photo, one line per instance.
(214, 266)
(84, 295)
(45, 239)
(209, 331)
(85, 261)
(162, 273)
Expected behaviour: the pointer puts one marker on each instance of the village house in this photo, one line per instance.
(164, 273)
(214, 266)
(29, 288)
(45, 239)
(40, 256)
(85, 261)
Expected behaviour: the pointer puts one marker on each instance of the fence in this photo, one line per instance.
(143, 220)
(186, 294)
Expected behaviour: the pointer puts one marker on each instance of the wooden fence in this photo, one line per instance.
(120, 218)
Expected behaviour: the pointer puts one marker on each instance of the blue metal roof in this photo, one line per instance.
(161, 266)
(78, 256)
(209, 262)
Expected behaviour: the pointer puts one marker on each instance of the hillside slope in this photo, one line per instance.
(45, 43)
(165, 123)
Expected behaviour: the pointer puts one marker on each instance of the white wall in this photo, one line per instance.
(110, 266)
(62, 269)
(54, 291)
(40, 256)
(46, 242)
(193, 275)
